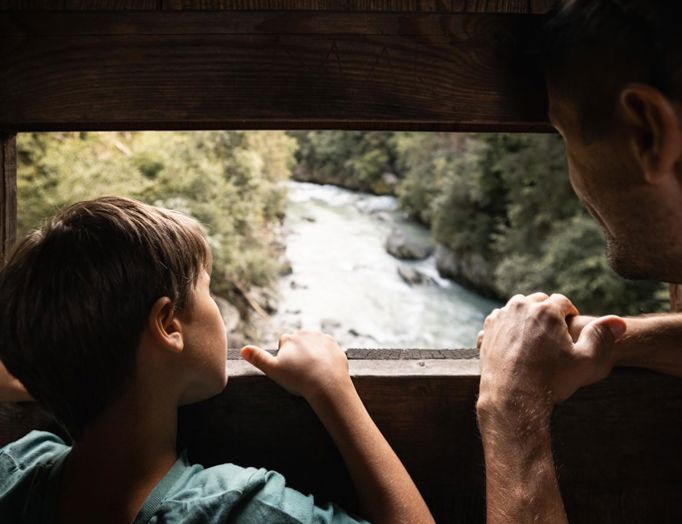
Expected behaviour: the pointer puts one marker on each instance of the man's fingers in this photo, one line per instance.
(601, 333)
(493, 314)
(564, 305)
(479, 339)
(259, 358)
(538, 297)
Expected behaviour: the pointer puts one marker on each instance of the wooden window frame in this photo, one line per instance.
(427, 65)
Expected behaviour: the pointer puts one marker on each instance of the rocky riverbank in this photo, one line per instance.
(469, 269)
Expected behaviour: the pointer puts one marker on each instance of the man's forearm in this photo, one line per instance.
(385, 489)
(652, 342)
(521, 482)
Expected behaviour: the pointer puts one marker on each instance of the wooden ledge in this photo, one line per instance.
(616, 442)
(385, 368)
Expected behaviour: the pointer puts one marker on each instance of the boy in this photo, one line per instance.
(107, 320)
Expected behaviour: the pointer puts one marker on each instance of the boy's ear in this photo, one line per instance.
(656, 139)
(164, 326)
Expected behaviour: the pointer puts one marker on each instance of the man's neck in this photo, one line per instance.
(119, 460)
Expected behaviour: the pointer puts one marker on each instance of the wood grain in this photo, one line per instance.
(676, 298)
(392, 354)
(189, 70)
(8, 194)
(79, 5)
(415, 6)
(616, 442)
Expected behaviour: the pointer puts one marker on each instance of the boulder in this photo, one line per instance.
(285, 267)
(296, 285)
(385, 185)
(412, 276)
(403, 247)
(329, 325)
(472, 270)
(230, 314)
(265, 298)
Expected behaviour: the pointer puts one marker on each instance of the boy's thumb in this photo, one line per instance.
(258, 357)
(602, 332)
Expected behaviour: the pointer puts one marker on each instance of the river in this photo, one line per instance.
(345, 283)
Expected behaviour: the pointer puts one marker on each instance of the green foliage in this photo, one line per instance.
(227, 181)
(508, 198)
(352, 159)
(425, 160)
(505, 197)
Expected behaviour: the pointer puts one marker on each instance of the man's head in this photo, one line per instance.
(614, 77)
(77, 296)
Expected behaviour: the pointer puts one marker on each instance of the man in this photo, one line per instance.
(614, 77)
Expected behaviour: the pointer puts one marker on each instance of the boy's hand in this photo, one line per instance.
(307, 364)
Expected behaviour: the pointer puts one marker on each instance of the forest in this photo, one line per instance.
(500, 207)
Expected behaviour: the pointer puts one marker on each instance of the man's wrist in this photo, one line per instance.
(513, 414)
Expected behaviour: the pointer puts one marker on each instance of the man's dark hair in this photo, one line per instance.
(592, 48)
(76, 294)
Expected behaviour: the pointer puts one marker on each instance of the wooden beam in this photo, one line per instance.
(79, 5)
(415, 6)
(616, 442)
(87, 70)
(676, 298)
(8, 194)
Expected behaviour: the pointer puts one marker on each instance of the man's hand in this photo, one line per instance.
(529, 362)
(528, 353)
(307, 364)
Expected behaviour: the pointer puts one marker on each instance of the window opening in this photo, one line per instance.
(382, 239)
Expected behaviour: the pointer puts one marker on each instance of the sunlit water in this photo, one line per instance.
(345, 282)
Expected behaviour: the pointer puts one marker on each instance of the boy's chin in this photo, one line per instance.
(204, 392)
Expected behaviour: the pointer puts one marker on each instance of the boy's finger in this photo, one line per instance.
(259, 358)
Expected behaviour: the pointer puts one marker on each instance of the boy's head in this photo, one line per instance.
(614, 77)
(76, 297)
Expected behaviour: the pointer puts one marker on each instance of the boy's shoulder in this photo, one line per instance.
(227, 492)
(27, 467)
(36, 449)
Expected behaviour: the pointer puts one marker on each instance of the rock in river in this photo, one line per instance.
(401, 246)
(412, 276)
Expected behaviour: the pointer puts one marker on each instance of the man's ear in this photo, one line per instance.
(164, 327)
(656, 138)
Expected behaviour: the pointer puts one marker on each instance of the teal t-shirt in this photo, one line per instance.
(30, 470)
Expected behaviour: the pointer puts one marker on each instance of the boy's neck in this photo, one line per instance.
(119, 460)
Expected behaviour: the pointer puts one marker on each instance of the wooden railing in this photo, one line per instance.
(617, 443)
